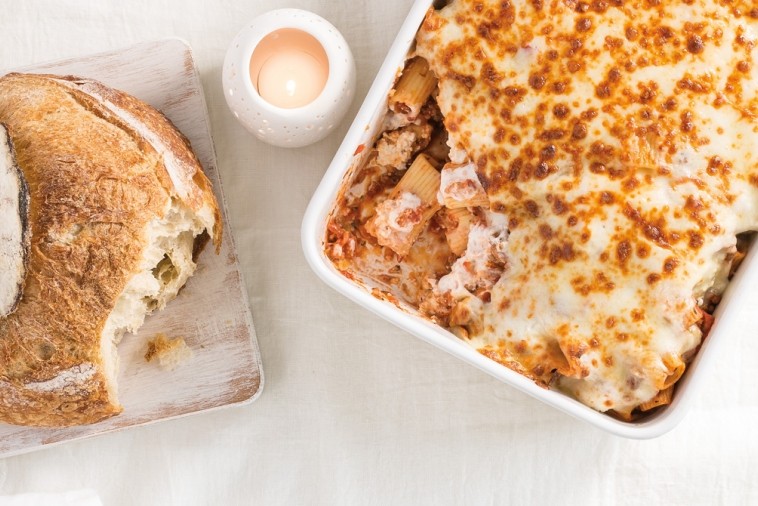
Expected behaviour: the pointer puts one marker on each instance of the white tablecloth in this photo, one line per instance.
(355, 411)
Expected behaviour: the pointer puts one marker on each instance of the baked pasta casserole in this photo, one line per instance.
(566, 186)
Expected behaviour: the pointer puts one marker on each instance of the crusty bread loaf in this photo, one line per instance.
(117, 205)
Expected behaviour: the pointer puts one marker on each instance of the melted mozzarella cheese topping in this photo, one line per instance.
(459, 183)
(618, 141)
(399, 215)
(481, 265)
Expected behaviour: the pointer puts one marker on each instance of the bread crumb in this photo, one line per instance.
(169, 352)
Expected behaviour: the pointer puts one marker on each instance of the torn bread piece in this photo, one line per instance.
(14, 227)
(169, 352)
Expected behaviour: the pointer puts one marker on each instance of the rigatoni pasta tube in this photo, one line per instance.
(676, 368)
(460, 187)
(413, 88)
(662, 398)
(421, 179)
(458, 225)
(403, 215)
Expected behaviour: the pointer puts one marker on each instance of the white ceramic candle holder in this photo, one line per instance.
(298, 126)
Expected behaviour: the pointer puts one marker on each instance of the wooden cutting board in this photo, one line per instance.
(211, 313)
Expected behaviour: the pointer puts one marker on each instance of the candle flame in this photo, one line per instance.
(291, 87)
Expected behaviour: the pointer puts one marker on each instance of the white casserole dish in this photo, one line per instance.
(362, 134)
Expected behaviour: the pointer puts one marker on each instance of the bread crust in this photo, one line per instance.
(100, 165)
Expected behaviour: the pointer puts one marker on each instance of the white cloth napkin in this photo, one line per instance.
(85, 497)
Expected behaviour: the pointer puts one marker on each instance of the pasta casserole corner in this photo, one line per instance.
(567, 186)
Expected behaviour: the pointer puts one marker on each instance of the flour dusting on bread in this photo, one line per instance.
(71, 379)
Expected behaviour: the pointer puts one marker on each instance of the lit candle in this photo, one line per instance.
(289, 68)
(291, 78)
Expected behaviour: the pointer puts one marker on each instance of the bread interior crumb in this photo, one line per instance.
(166, 265)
